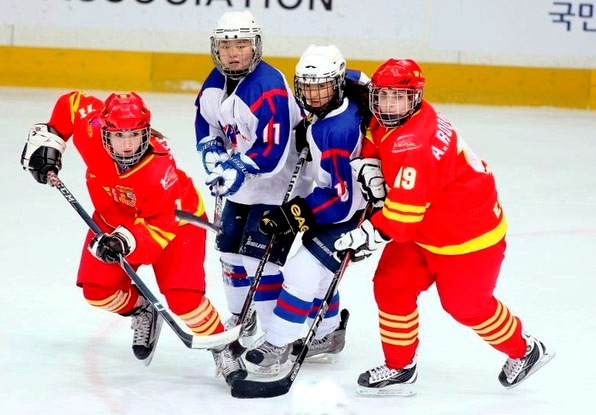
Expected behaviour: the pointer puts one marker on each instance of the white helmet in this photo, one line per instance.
(237, 25)
(320, 65)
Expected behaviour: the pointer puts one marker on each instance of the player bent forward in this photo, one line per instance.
(135, 187)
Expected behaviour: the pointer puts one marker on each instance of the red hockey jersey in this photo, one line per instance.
(441, 195)
(142, 198)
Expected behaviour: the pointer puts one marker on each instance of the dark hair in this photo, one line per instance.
(357, 92)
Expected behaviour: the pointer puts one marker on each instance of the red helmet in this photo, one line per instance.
(124, 112)
(402, 76)
(398, 73)
(125, 118)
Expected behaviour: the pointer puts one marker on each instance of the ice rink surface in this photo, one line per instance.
(58, 355)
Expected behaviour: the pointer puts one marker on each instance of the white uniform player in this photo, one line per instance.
(334, 206)
(244, 124)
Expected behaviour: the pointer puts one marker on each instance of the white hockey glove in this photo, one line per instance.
(42, 152)
(213, 152)
(370, 177)
(363, 240)
(109, 247)
(227, 177)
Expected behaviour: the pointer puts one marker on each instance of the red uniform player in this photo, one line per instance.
(440, 222)
(135, 187)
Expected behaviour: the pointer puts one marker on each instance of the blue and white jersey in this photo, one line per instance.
(334, 141)
(357, 76)
(257, 120)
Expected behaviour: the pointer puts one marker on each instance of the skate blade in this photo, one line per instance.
(324, 358)
(147, 361)
(547, 357)
(267, 371)
(403, 390)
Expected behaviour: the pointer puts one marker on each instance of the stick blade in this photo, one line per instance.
(216, 340)
(250, 389)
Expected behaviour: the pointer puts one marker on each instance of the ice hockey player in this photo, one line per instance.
(135, 187)
(334, 206)
(245, 115)
(441, 223)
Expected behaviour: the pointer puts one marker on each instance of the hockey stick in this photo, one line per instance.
(189, 340)
(259, 272)
(218, 208)
(248, 389)
(196, 220)
(200, 222)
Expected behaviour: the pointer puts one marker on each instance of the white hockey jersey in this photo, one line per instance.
(257, 119)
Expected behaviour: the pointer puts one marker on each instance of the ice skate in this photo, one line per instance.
(146, 323)
(268, 359)
(516, 371)
(327, 349)
(383, 381)
(228, 364)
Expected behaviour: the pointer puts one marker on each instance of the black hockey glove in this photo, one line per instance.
(42, 152)
(294, 216)
(109, 247)
(301, 142)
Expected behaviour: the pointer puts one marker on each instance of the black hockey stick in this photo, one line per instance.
(200, 222)
(259, 272)
(248, 389)
(196, 220)
(189, 340)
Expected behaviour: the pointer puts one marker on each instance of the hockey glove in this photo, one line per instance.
(363, 241)
(109, 247)
(213, 152)
(42, 152)
(294, 216)
(370, 177)
(300, 132)
(227, 177)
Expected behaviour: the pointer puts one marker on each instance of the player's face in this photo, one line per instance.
(318, 95)
(394, 101)
(235, 54)
(125, 143)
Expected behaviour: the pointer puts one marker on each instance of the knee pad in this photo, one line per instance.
(304, 275)
(233, 271)
(251, 264)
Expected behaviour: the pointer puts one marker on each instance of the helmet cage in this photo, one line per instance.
(387, 104)
(257, 51)
(115, 151)
(322, 85)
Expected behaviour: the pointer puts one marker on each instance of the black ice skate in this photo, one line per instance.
(327, 349)
(146, 323)
(516, 371)
(384, 381)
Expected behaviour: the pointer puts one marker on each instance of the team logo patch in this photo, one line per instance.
(233, 133)
(404, 143)
(124, 195)
(170, 178)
